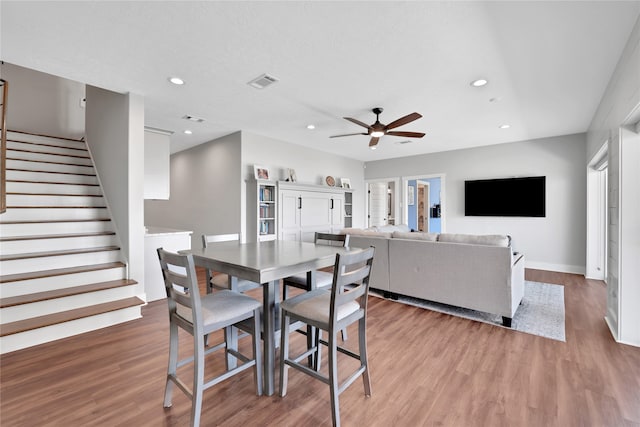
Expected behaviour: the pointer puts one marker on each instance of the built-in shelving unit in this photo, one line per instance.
(348, 209)
(266, 211)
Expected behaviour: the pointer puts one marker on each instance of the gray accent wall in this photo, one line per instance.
(555, 242)
(205, 191)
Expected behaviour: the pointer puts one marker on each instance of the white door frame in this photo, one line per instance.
(443, 201)
(597, 215)
(396, 196)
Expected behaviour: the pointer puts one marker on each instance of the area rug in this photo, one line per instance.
(541, 312)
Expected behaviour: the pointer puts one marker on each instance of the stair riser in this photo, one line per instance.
(50, 177)
(62, 261)
(42, 308)
(27, 214)
(40, 187)
(45, 149)
(59, 244)
(55, 332)
(52, 283)
(15, 136)
(42, 157)
(53, 167)
(39, 229)
(38, 200)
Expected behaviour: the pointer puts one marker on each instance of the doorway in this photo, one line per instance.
(382, 202)
(424, 212)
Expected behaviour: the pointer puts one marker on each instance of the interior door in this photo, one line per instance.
(377, 204)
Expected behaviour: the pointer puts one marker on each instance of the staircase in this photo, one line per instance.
(61, 270)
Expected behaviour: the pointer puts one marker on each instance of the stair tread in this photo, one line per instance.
(13, 257)
(59, 272)
(63, 138)
(55, 207)
(46, 171)
(17, 159)
(64, 292)
(56, 236)
(47, 153)
(66, 316)
(53, 194)
(26, 181)
(47, 145)
(39, 221)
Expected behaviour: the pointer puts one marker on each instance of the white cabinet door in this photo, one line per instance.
(316, 210)
(289, 215)
(303, 213)
(337, 213)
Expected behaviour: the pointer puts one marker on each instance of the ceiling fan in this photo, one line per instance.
(378, 130)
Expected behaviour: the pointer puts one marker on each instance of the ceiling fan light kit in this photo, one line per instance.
(378, 130)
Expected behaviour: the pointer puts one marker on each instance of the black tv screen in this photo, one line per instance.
(505, 197)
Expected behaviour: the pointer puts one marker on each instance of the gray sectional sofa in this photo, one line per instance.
(471, 271)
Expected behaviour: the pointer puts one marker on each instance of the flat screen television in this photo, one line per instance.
(524, 197)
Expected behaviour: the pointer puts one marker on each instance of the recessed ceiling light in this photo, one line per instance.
(176, 80)
(479, 82)
(311, 127)
(505, 126)
(188, 132)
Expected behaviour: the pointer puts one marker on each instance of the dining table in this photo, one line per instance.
(267, 263)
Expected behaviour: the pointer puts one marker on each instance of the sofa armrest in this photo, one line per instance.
(517, 281)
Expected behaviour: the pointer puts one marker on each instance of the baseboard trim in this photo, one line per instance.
(562, 268)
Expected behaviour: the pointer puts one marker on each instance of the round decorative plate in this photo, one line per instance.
(330, 181)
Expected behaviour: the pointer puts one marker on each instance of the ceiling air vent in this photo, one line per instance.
(262, 81)
(193, 118)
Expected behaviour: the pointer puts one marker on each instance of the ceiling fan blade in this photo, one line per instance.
(406, 134)
(348, 134)
(358, 122)
(403, 120)
(373, 142)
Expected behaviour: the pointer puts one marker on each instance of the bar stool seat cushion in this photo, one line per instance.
(315, 305)
(220, 307)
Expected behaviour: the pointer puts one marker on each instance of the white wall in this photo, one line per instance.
(205, 191)
(555, 242)
(311, 167)
(115, 137)
(620, 105)
(42, 103)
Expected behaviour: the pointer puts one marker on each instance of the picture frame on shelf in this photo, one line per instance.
(291, 175)
(261, 172)
(345, 183)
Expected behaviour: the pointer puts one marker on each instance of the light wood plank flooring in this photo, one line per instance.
(427, 369)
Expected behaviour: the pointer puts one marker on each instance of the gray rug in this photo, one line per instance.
(541, 312)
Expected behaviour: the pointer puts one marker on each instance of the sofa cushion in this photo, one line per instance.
(367, 233)
(474, 239)
(392, 228)
(430, 237)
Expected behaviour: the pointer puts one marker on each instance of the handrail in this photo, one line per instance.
(3, 147)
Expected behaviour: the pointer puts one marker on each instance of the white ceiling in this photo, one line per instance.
(548, 63)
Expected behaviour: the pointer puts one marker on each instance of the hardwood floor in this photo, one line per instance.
(427, 369)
